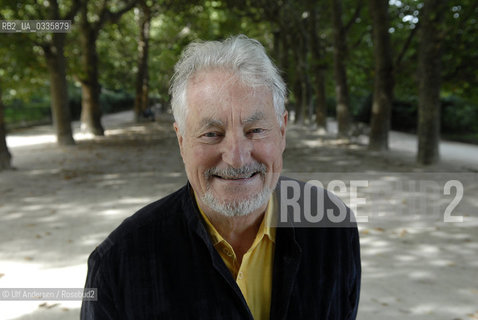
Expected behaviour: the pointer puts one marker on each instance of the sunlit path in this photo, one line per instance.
(62, 201)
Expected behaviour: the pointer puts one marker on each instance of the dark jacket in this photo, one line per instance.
(160, 264)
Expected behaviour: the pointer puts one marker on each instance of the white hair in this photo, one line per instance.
(243, 56)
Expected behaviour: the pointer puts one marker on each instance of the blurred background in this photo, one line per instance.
(406, 65)
(385, 90)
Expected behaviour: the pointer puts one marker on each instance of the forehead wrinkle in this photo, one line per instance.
(210, 122)
(225, 87)
(226, 96)
(256, 116)
(216, 95)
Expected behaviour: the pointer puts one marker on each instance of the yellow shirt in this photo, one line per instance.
(254, 274)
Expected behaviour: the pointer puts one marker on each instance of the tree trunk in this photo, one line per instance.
(299, 97)
(55, 59)
(284, 56)
(429, 69)
(303, 70)
(301, 81)
(276, 45)
(318, 69)
(321, 99)
(142, 80)
(90, 87)
(383, 82)
(5, 156)
(341, 86)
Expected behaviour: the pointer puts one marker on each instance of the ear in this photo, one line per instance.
(283, 128)
(180, 138)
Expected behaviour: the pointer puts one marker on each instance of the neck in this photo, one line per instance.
(240, 231)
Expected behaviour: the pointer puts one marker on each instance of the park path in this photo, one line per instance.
(460, 154)
(60, 202)
(450, 152)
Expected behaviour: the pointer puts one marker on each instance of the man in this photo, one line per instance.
(220, 247)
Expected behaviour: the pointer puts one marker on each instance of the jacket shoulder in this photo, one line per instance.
(161, 214)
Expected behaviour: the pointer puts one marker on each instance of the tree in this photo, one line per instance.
(5, 156)
(288, 22)
(51, 47)
(142, 78)
(90, 86)
(318, 67)
(145, 14)
(384, 81)
(340, 73)
(55, 58)
(302, 83)
(460, 51)
(429, 74)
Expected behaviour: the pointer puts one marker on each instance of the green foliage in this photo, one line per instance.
(111, 101)
(117, 50)
(74, 101)
(37, 109)
(34, 110)
(460, 50)
(114, 101)
(404, 114)
(459, 115)
(176, 23)
(22, 72)
(362, 111)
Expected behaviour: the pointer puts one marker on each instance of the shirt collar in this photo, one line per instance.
(265, 229)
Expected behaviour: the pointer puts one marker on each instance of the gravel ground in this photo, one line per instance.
(60, 202)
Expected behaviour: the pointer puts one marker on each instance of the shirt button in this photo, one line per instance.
(227, 252)
(240, 275)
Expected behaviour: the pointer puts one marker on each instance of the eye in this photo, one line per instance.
(255, 131)
(210, 135)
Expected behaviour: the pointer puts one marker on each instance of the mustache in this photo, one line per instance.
(237, 173)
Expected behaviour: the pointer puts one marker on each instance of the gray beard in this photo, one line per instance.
(237, 208)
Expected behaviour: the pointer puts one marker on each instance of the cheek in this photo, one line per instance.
(201, 157)
(269, 153)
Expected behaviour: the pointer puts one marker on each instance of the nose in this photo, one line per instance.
(236, 151)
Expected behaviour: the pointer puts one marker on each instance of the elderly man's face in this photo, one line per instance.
(233, 144)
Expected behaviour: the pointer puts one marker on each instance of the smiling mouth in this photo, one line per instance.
(241, 177)
(244, 173)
